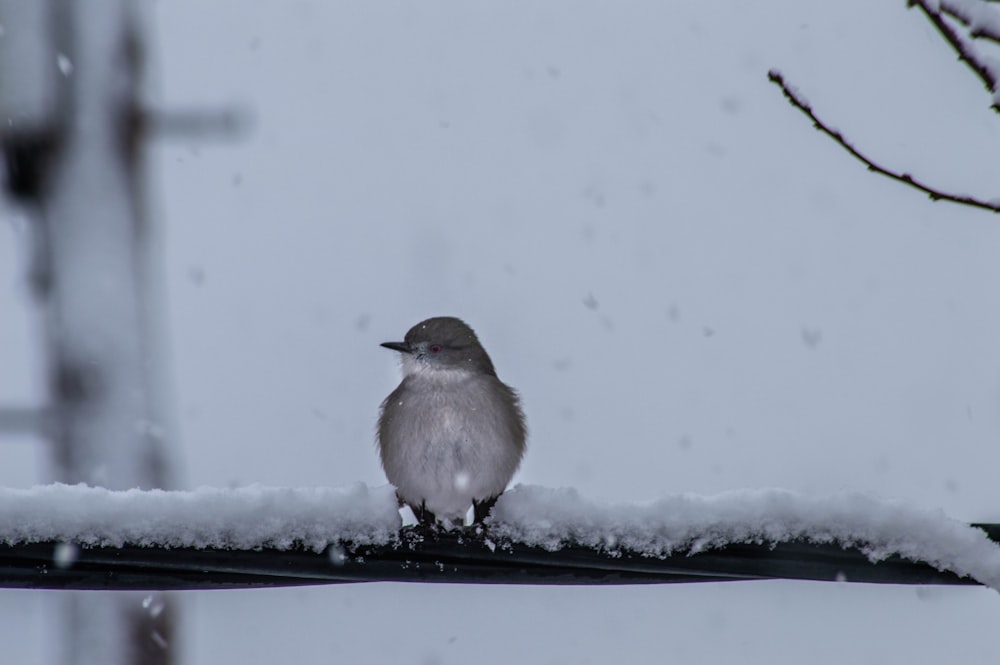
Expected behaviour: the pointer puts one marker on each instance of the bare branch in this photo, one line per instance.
(935, 194)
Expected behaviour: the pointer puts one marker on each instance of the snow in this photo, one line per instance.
(690, 523)
(257, 517)
(64, 63)
(240, 518)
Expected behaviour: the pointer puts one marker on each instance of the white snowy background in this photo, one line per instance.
(693, 290)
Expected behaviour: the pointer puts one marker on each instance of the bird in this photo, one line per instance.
(452, 434)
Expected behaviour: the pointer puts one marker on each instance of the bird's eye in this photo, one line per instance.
(434, 348)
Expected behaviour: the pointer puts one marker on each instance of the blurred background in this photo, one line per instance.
(692, 289)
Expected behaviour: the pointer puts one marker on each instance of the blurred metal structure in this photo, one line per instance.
(72, 135)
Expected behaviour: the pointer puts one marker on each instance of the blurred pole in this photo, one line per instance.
(76, 156)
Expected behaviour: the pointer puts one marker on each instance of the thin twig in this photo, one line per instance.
(962, 47)
(935, 194)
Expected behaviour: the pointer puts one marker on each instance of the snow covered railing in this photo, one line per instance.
(78, 537)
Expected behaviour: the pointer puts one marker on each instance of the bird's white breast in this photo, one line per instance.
(455, 449)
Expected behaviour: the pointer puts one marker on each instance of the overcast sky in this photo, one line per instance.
(692, 289)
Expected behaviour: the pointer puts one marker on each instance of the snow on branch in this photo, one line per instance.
(982, 20)
(535, 535)
(796, 99)
(981, 16)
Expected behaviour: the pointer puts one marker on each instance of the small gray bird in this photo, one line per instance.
(452, 434)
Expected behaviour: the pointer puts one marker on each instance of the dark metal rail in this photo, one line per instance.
(423, 555)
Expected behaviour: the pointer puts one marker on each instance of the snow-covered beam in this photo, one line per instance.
(78, 537)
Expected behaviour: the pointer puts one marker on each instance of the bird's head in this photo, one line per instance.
(442, 343)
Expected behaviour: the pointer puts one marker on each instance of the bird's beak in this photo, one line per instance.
(402, 347)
